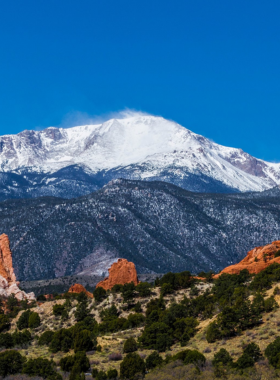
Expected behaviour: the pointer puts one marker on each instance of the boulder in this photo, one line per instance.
(8, 282)
(122, 272)
(256, 260)
(78, 288)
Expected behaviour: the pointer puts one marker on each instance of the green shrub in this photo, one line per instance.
(130, 345)
(61, 341)
(194, 291)
(179, 356)
(112, 374)
(94, 372)
(40, 367)
(253, 350)
(99, 294)
(154, 360)
(58, 310)
(153, 317)
(233, 320)
(109, 313)
(67, 363)
(11, 362)
(80, 360)
(258, 304)
(251, 354)
(16, 339)
(128, 291)
(226, 285)
(46, 338)
(185, 329)
(21, 338)
(75, 373)
(272, 352)
(144, 289)
(22, 322)
(117, 288)
(131, 365)
(166, 289)
(82, 311)
(84, 341)
(156, 304)
(222, 357)
(276, 291)
(113, 325)
(12, 306)
(34, 320)
(270, 304)
(101, 375)
(176, 280)
(190, 357)
(134, 320)
(277, 254)
(194, 357)
(163, 342)
(41, 298)
(137, 308)
(264, 279)
(213, 332)
(245, 361)
(6, 340)
(4, 322)
(157, 336)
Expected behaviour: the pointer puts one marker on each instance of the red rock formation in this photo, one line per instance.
(256, 260)
(122, 272)
(6, 263)
(78, 288)
(8, 283)
(48, 296)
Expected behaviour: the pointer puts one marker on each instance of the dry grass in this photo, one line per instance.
(113, 343)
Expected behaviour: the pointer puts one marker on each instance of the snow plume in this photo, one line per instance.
(76, 118)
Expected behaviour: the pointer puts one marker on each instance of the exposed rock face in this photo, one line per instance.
(256, 260)
(78, 288)
(6, 263)
(8, 283)
(122, 272)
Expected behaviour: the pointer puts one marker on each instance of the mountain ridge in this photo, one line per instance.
(140, 147)
(158, 226)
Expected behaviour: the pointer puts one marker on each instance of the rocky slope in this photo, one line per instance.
(75, 161)
(158, 226)
(78, 288)
(256, 260)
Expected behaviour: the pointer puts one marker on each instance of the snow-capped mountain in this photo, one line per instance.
(136, 147)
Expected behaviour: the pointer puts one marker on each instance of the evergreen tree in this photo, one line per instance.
(130, 345)
(34, 320)
(153, 360)
(131, 365)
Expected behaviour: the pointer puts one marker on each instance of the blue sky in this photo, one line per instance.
(212, 66)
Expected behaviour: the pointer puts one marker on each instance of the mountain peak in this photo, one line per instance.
(138, 146)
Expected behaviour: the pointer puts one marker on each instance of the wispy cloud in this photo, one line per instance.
(76, 118)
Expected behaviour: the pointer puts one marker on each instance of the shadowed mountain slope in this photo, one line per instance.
(158, 226)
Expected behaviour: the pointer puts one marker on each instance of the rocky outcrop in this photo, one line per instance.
(6, 263)
(8, 283)
(78, 288)
(256, 260)
(122, 272)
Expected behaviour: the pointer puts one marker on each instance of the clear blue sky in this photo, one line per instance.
(213, 66)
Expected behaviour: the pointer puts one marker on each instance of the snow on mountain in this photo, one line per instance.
(139, 146)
